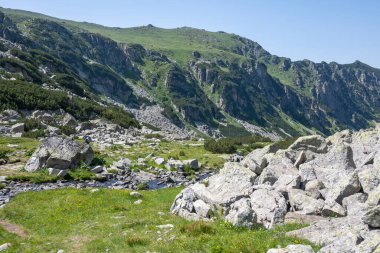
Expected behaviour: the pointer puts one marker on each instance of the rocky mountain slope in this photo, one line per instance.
(332, 184)
(185, 78)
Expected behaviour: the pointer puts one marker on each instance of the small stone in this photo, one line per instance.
(159, 160)
(18, 128)
(192, 163)
(97, 169)
(53, 172)
(137, 202)
(297, 248)
(62, 173)
(5, 246)
(165, 226)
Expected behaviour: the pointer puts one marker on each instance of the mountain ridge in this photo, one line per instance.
(213, 82)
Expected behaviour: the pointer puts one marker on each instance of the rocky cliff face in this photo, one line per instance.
(232, 83)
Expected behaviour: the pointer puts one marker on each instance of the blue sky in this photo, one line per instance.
(319, 30)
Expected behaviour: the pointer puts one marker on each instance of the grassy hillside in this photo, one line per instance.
(219, 77)
(177, 43)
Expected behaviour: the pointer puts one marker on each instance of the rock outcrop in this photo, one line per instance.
(314, 177)
(59, 153)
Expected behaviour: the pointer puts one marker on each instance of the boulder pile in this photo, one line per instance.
(332, 183)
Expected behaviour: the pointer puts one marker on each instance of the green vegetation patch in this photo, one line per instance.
(107, 220)
(26, 96)
(231, 145)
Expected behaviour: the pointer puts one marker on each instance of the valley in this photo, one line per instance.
(147, 139)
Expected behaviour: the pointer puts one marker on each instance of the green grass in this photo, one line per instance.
(182, 150)
(25, 147)
(33, 177)
(107, 221)
(23, 143)
(177, 43)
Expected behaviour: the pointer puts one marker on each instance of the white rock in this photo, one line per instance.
(269, 206)
(18, 128)
(241, 214)
(295, 248)
(369, 178)
(202, 209)
(370, 244)
(5, 246)
(303, 203)
(345, 231)
(192, 163)
(97, 169)
(170, 226)
(159, 160)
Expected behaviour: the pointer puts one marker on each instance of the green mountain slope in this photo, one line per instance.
(211, 81)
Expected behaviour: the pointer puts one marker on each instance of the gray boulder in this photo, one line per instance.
(372, 217)
(333, 209)
(342, 234)
(369, 177)
(219, 191)
(97, 169)
(69, 120)
(122, 164)
(313, 143)
(257, 160)
(192, 163)
(159, 160)
(223, 189)
(174, 164)
(202, 209)
(370, 244)
(184, 205)
(313, 188)
(287, 182)
(303, 203)
(279, 165)
(59, 153)
(241, 214)
(18, 128)
(9, 115)
(269, 206)
(355, 204)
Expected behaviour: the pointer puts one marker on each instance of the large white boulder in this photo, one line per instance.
(59, 153)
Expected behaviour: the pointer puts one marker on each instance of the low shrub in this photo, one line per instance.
(134, 240)
(197, 228)
(230, 145)
(284, 144)
(67, 130)
(31, 124)
(153, 136)
(37, 177)
(34, 134)
(98, 160)
(4, 154)
(143, 186)
(81, 174)
(222, 146)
